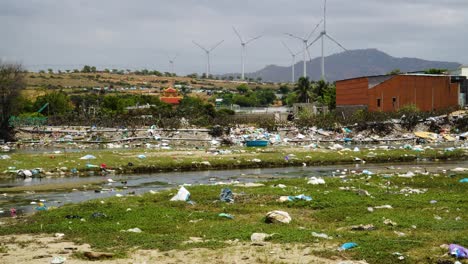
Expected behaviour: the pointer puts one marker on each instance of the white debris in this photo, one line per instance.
(278, 216)
(321, 235)
(316, 181)
(182, 195)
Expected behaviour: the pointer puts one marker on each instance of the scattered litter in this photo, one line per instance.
(4, 157)
(316, 181)
(224, 215)
(367, 172)
(88, 157)
(362, 227)
(259, 237)
(250, 184)
(134, 230)
(59, 235)
(182, 195)
(400, 234)
(295, 198)
(464, 180)
(459, 169)
(141, 156)
(347, 246)
(433, 201)
(409, 174)
(387, 206)
(278, 216)
(458, 251)
(389, 222)
(226, 196)
(256, 160)
(321, 235)
(58, 260)
(436, 217)
(370, 209)
(98, 215)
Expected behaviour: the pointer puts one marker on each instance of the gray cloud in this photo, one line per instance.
(141, 33)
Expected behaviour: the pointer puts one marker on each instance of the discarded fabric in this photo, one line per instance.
(458, 251)
(321, 235)
(316, 181)
(464, 180)
(134, 230)
(295, 198)
(226, 195)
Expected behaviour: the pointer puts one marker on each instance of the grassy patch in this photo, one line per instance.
(157, 160)
(170, 225)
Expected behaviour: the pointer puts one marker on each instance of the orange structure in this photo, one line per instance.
(171, 96)
(391, 92)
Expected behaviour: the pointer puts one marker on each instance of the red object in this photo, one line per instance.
(13, 212)
(103, 166)
(389, 93)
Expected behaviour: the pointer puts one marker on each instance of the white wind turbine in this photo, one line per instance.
(207, 51)
(306, 42)
(324, 34)
(293, 56)
(171, 61)
(243, 44)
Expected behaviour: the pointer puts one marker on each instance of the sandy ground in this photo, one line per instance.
(37, 249)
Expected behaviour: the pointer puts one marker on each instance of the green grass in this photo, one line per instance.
(180, 160)
(166, 225)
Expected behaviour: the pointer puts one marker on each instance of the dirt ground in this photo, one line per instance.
(36, 249)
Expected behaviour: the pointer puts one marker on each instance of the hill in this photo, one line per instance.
(349, 64)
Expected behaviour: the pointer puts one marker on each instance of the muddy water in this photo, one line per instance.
(145, 182)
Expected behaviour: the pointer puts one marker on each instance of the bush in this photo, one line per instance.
(410, 116)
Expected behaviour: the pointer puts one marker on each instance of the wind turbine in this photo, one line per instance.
(305, 41)
(243, 44)
(324, 34)
(207, 51)
(171, 61)
(293, 55)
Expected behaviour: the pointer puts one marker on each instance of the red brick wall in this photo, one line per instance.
(427, 92)
(352, 92)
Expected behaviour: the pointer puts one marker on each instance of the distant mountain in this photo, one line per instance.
(349, 64)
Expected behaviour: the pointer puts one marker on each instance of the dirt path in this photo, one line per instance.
(37, 249)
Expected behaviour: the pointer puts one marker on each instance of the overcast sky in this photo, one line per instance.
(142, 33)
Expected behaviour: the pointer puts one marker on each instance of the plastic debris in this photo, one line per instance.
(88, 157)
(389, 222)
(361, 227)
(58, 260)
(348, 245)
(226, 195)
(321, 235)
(224, 215)
(387, 206)
(141, 156)
(458, 251)
(134, 230)
(278, 217)
(464, 180)
(295, 198)
(316, 181)
(259, 237)
(182, 195)
(59, 235)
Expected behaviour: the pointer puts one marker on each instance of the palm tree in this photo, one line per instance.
(303, 90)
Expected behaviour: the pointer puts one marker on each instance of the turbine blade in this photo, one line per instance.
(215, 46)
(293, 36)
(290, 51)
(315, 40)
(308, 53)
(328, 36)
(237, 33)
(201, 47)
(316, 26)
(252, 39)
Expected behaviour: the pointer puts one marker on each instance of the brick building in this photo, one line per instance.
(391, 92)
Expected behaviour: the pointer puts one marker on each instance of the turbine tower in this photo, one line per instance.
(293, 56)
(306, 44)
(243, 44)
(207, 51)
(171, 61)
(324, 34)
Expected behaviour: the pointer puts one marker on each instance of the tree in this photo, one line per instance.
(11, 84)
(50, 71)
(435, 71)
(86, 69)
(303, 90)
(243, 88)
(59, 103)
(284, 89)
(394, 71)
